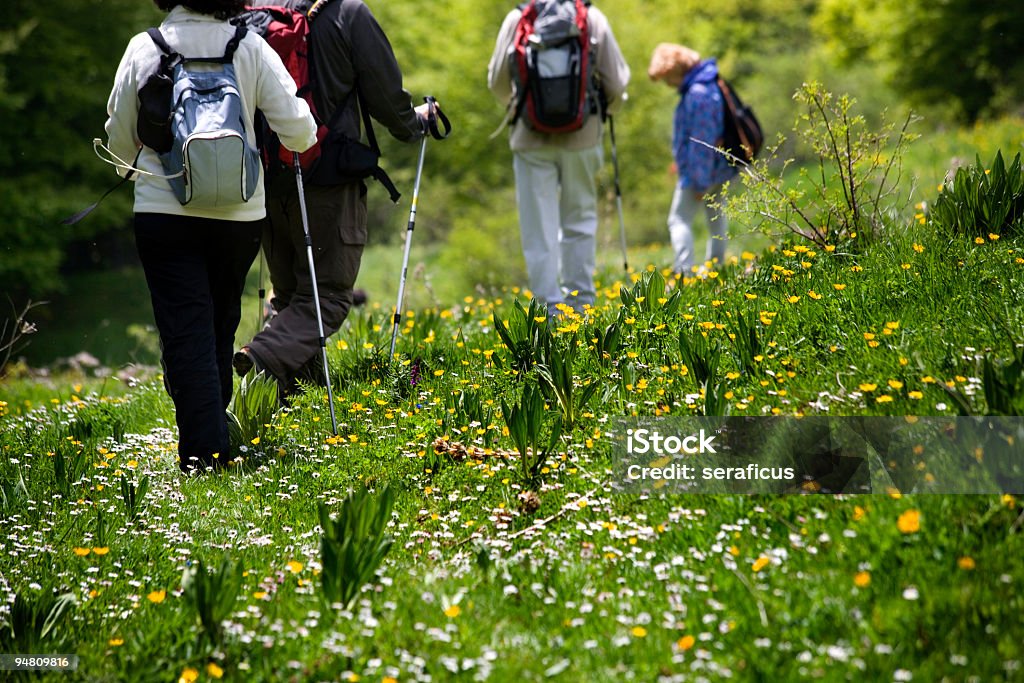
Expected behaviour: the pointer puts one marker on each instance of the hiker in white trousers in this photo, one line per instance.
(557, 198)
(556, 187)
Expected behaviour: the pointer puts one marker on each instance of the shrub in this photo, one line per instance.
(849, 190)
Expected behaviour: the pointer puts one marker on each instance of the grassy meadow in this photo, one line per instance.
(462, 524)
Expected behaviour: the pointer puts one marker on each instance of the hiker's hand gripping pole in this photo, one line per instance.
(434, 114)
(316, 291)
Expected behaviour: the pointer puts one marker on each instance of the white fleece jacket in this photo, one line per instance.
(263, 82)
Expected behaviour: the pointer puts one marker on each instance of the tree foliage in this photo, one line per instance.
(959, 53)
(57, 61)
(56, 67)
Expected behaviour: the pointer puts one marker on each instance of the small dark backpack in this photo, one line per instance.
(552, 66)
(743, 137)
(335, 159)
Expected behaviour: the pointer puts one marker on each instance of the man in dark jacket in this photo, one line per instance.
(349, 51)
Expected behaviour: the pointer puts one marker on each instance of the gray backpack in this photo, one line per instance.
(191, 115)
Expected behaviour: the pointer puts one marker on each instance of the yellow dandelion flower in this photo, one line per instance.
(156, 597)
(215, 671)
(862, 579)
(295, 567)
(115, 642)
(814, 295)
(895, 384)
(839, 287)
(760, 563)
(966, 563)
(979, 240)
(82, 552)
(793, 299)
(884, 398)
(188, 675)
(909, 522)
(639, 632)
(867, 387)
(103, 550)
(992, 236)
(686, 642)
(858, 513)
(452, 611)
(915, 395)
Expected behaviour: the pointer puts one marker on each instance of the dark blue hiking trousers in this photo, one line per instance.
(196, 269)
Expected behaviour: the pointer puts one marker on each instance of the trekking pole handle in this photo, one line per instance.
(433, 116)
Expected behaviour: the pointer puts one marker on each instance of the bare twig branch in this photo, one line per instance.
(20, 327)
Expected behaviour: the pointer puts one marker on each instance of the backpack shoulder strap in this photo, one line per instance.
(161, 43)
(229, 51)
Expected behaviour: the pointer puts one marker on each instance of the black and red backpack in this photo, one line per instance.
(552, 66)
(335, 158)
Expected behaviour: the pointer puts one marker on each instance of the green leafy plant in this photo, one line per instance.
(33, 623)
(465, 409)
(558, 377)
(13, 494)
(607, 343)
(526, 334)
(252, 408)
(132, 496)
(96, 419)
(525, 421)
(647, 296)
(212, 595)
(702, 358)
(980, 201)
(354, 544)
(749, 338)
(69, 464)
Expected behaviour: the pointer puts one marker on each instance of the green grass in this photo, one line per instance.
(495, 574)
(675, 586)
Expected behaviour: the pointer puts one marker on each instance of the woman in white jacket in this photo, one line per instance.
(196, 259)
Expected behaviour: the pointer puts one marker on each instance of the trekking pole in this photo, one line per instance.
(261, 293)
(618, 193)
(316, 291)
(434, 114)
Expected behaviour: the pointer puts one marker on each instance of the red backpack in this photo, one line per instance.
(287, 31)
(552, 66)
(335, 158)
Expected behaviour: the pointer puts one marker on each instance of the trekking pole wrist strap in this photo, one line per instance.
(434, 115)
